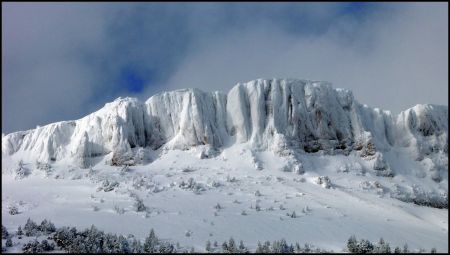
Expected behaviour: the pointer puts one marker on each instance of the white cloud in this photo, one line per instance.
(393, 60)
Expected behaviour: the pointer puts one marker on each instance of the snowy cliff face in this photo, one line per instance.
(286, 116)
(184, 118)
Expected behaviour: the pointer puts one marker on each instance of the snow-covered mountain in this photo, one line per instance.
(287, 116)
(267, 150)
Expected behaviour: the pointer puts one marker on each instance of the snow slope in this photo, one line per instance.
(278, 136)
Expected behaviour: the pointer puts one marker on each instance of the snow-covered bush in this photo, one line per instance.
(139, 205)
(188, 169)
(139, 183)
(213, 183)
(231, 179)
(419, 196)
(107, 186)
(140, 156)
(119, 210)
(197, 188)
(372, 185)
(21, 171)
(298, 169)
(124, 170)
(324, 181)
(45, 167)
(256, 163)
(257, 207)
(13, 210)
(381, 166)
(292, 215)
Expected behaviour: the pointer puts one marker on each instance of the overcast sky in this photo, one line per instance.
(62, 61)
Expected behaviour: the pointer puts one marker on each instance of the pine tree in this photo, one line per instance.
(166, 247)
(5, 233)
(266, 247)
(242, 247)
(232, 245)
(307, 248)
(291, 248)
(30, 228)
(19, 231)
(298, 248)
(352, 244)
(216, 244)
(383, 247)
(208, 246)
(151, 242)
(405, 248)
(47, 227)
(8, 242)
(283, 246)
(124, 247)
(259, 248)
(397, 250)
(433, 250)
(293, 215)
(225, 246)
(136, 246)
(365, 246)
